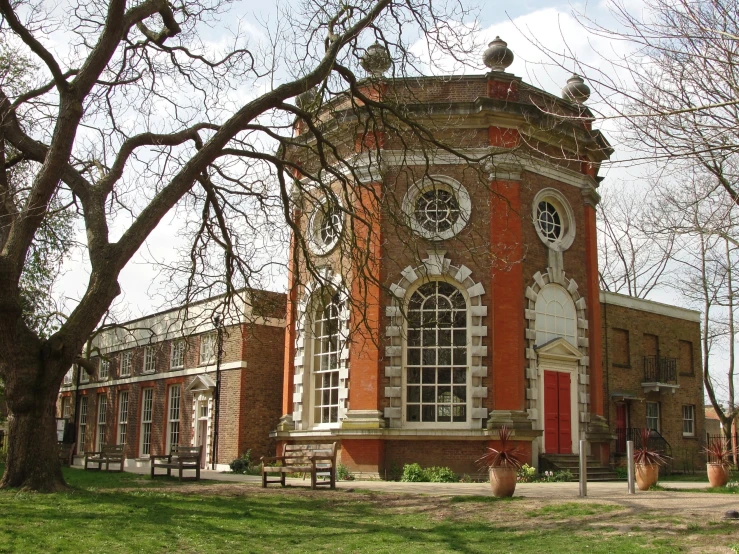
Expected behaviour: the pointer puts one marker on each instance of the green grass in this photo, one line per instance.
(572, 509)
(113, 512)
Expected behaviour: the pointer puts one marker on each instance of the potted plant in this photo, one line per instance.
(502, 464)
(717, 462)
(647, 462)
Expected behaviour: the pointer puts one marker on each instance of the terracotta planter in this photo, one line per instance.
(646, 475)
(503, 481)
(718, 475)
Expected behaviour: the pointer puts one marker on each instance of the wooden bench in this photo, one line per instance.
(302, 458)
(64, 451)
(181, 458)
(109, 454)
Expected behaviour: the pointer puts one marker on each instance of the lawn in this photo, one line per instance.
(112, 512)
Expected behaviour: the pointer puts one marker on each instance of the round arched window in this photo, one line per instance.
(436, 355)
(327, 347)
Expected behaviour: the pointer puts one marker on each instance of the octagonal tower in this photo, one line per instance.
(470, 300)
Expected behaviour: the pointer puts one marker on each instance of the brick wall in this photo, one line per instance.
(627, 378)
(261, 389)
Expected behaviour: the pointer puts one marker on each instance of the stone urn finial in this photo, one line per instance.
(497, 55)
(376, 60)
(576, 90)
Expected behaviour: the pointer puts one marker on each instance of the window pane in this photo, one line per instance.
(443, 325)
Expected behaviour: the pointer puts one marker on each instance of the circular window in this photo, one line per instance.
(437, 208)
(550, 224)
(553, 219)
(325, 226)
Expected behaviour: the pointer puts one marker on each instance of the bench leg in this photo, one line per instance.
(282, 478)
(197, 472)
(264, 479)
(332, 473)
(313, 480)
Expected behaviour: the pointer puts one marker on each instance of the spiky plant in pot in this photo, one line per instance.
(502, 463)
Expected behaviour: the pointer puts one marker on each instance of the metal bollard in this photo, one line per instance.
(583, 469)
(630, 466)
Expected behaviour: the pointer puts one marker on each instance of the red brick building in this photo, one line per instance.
(486, 308)
(653, 377)
(156, 382)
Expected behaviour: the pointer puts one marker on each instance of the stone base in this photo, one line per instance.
(516, 421)
(598, 430)
(363, 419)
(286, 423)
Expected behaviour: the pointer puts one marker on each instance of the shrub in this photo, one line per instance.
(244, 465)
(440, 475)
(527, 474)
(412, 473)
(343, 473)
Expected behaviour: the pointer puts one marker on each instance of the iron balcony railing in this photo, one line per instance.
(660, 370)
(656, 440)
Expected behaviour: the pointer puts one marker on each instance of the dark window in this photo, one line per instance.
(620, 355)
(651, 345)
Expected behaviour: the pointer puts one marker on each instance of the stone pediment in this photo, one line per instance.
(201, 383)
(558, 349)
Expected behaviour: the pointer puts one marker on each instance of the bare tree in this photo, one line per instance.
(633, 260)
(704, 228)
(146, 114)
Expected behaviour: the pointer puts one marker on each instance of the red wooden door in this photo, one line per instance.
(557, 418)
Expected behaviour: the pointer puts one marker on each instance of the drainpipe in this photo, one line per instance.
(77, 409)
(217, 415)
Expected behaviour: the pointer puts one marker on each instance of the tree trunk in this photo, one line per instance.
(32, 460)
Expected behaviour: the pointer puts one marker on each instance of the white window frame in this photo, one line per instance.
(84, 377)
(177, 354)
(82, 427)
(438, 182)
(556, 315)
(174, 401)
(566, 216)
(321, 362)
(101, 422)
(150, 360)
(468, 373)
(147, 417)
(653, 417)
(126, 362)
(208, 341)
(122, 417)
(66, 407)
(103, 369)
(69, 376)
(688, 421)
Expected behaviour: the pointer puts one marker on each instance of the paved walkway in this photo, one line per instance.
(708, 505)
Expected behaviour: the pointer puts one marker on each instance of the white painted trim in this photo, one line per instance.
(649, 306)
(370, 167)
(561, 366)
(437, 181)
(166, 375)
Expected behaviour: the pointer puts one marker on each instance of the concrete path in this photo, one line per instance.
(707, 505)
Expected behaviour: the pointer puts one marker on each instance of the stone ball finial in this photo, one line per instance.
(497, 55)
(376, 60)
(307, 99)
(576, 90)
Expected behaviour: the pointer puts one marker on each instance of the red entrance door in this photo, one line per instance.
(557, 418)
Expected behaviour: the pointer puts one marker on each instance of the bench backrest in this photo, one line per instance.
(112, 448)
(302, 453)
(189, 452)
